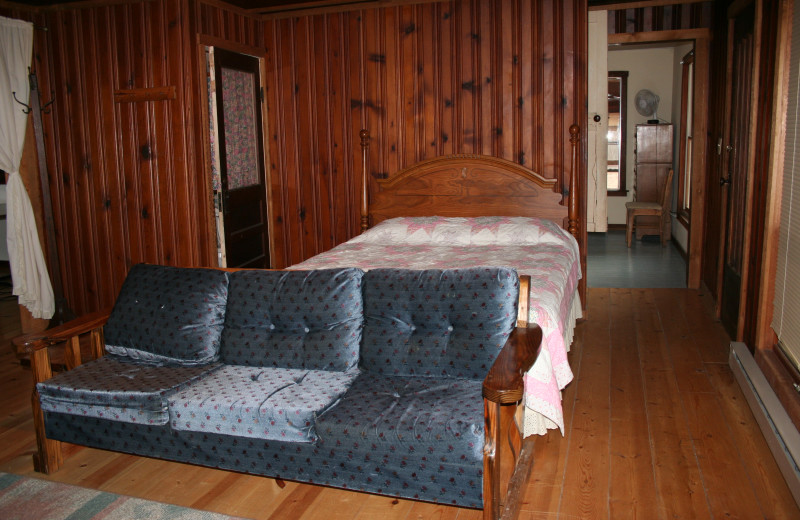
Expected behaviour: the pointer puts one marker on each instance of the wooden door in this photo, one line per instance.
(242, 174)
(736, 166)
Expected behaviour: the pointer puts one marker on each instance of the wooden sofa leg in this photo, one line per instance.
(48, 456)
(502, 446)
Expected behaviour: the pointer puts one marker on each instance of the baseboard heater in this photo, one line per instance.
(781, 435)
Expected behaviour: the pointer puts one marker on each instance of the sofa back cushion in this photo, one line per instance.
(294, 319)
(168, 315)
(437, 322)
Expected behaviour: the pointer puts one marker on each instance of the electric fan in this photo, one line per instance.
(647, 104)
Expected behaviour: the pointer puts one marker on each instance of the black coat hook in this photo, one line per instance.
(45, 108)
(27, 109)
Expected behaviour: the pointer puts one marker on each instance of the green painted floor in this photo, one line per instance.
(646, 264)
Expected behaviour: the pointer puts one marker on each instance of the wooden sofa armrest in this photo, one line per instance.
(504, 460)
(503, 384)
(28, 343)
(48, 456)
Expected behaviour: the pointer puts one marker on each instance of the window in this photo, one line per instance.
(617, 102)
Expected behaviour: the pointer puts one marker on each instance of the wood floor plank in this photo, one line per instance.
(678, 480)
(387, 508)
(295, 504)
(550, 451)
(629, 402)
(470, 514)
(706, 330)
(586, 484)
(335, 504)
(727, 488)
(632, 491)
(685, 357)
(761, 469)
(425, 511)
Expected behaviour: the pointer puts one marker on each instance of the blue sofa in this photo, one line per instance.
(396, 382)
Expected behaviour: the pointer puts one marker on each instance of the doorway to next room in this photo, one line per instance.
(640, 121)
(238, 176)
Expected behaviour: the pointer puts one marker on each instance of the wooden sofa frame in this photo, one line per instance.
(506, 458)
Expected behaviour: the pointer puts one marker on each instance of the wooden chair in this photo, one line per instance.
(658, 209)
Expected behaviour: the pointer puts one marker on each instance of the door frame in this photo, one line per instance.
(203, 42)
(733, 11)
(702, 47)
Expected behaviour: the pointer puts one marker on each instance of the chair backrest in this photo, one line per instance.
(666, 193)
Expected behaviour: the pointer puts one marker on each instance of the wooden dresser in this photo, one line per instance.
(653, 161)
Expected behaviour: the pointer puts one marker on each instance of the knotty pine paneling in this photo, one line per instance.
(503, 78)
(128, 180)
(123, 176)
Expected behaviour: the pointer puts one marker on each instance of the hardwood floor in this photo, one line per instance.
(656, 428)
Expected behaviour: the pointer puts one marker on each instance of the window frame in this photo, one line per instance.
(684, 210)
(622, 76)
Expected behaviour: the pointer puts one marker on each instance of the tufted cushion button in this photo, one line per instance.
(272, 326)
(449, 328)
(305, 329)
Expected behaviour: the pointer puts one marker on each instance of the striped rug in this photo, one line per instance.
(23, 498)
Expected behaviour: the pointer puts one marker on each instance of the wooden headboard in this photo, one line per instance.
(469, 186)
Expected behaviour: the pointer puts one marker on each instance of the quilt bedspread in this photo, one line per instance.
(554, 269)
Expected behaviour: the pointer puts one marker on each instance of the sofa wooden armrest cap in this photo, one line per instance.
(28, 343)
(504, 382)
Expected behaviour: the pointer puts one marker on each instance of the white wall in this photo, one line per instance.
(597, 186)
(653, 69)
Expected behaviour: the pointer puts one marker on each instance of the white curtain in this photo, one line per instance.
(28, 269)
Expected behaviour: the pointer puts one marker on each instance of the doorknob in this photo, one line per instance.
(723, 181)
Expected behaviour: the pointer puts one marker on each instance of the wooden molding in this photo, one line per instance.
(772, 218)
(659, 36)
(212, 41)
(329, 6)
(781, 380)
(637, 5)
(136, 95)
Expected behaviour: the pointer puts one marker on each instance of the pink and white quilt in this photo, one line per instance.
(535, 247)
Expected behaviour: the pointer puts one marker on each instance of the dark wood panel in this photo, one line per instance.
(696, 15)
(500, 78)
(123, 177)
(764, 136)
(128, 180)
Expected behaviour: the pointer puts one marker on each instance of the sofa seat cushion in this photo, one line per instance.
(168, 315)
(294, 319)
(421, 421)
(258, 402)
(117, 389)
(437, 322)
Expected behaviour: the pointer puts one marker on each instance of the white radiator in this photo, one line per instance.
(781, 435)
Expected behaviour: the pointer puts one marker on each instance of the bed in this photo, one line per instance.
(472, 210)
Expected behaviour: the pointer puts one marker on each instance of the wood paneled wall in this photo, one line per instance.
(123, 176)
(696, 15)
(503, 77)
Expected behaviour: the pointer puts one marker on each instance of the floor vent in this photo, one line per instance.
(781, 435)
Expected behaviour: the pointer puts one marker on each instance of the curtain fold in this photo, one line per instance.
(28, 269)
